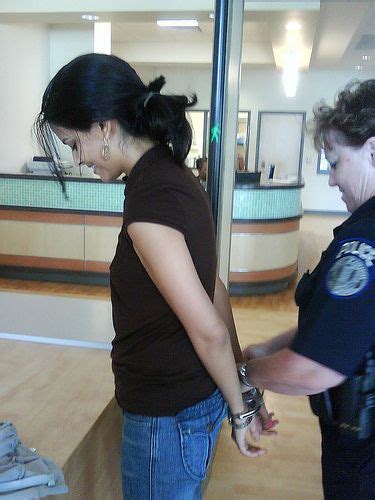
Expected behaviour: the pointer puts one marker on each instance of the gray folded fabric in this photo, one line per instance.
(24, 474)
(8, 438)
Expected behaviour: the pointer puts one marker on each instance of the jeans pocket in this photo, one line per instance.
(195, 447)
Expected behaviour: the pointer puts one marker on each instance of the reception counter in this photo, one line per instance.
(264, 243)
(47, 235)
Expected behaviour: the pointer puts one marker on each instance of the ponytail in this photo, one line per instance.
(164, 119)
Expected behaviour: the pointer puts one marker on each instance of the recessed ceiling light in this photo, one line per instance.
(293, 26)
(358, 67)
(90, 17)
(366, 57)
(177, 23)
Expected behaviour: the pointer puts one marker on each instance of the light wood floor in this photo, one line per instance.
(291, 468)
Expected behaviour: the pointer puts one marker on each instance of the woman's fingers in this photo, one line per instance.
(239, 437)
(253, 451)
(255, 428)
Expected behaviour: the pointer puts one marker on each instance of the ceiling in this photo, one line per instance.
(333, 35)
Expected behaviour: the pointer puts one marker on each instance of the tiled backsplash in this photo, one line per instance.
(272, 203)
(40, 193)
(253, 204)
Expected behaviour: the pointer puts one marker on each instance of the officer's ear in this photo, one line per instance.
(370, 143)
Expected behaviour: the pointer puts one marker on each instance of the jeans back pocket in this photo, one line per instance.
(195, 446)
(198, 435)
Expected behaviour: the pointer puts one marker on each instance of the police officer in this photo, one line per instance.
(330, 355)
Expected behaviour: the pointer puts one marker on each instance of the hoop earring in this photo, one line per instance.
(106, 152)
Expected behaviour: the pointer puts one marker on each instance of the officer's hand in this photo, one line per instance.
(254, 351)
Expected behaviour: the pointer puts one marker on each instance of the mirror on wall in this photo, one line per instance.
(322, 165)
(199, 121)
(280, 144)
(243, 137)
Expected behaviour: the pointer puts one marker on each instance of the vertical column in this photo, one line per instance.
(223, 121)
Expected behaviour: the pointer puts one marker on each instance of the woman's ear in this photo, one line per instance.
(107, 128)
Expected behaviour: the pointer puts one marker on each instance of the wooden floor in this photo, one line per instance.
(291, 468)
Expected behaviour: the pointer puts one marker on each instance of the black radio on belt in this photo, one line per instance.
(351, 405)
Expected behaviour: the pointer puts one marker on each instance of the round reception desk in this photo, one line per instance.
(45, 235)
(264, 244)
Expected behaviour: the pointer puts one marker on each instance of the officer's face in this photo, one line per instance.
(352, 169)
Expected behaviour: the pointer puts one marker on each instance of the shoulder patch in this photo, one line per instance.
(351, 270)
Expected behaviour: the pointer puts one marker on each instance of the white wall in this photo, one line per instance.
(261, 90)
(24, 75)
(30, 55)
(67, 42)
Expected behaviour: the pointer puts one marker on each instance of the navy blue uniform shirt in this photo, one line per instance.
(336, 324)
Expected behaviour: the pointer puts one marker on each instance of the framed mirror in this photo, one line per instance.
(243, 138)
(280, 141)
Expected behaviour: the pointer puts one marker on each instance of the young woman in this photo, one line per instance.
(175, 337)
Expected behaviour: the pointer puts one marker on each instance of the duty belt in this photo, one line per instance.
(351, 405)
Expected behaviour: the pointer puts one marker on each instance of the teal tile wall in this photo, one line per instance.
(39, 193)
(253, 204)
(269, 203)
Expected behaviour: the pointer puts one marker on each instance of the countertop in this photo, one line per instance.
(270, 185)
(67, 178)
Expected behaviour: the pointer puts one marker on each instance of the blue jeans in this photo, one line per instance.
(166, 458)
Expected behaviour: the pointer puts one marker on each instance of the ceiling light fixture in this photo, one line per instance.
(366, 57)
(211, 15)
(293, 26)
(290, 73)
(90, 17)
(177, 23)
(359, 67)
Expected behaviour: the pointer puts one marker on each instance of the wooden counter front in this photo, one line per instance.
(61, 401)
(44, 244)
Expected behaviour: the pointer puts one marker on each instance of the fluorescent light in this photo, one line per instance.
(90, 17)
(178, 23)
(102, 38)
(366, 57)
(290, 74)
(358, 67)
(293, 26)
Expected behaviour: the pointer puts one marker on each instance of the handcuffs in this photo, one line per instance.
(253, 401)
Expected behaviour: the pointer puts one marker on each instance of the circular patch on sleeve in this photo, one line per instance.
(347, 276)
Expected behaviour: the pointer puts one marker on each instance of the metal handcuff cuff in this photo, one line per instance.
(253, 401)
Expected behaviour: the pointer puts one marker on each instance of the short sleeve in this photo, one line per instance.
(337, 325)
(155, 204)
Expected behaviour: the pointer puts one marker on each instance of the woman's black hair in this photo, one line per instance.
(352, 116)
(98, 87)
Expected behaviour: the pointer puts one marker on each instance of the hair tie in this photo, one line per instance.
(147, 98)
